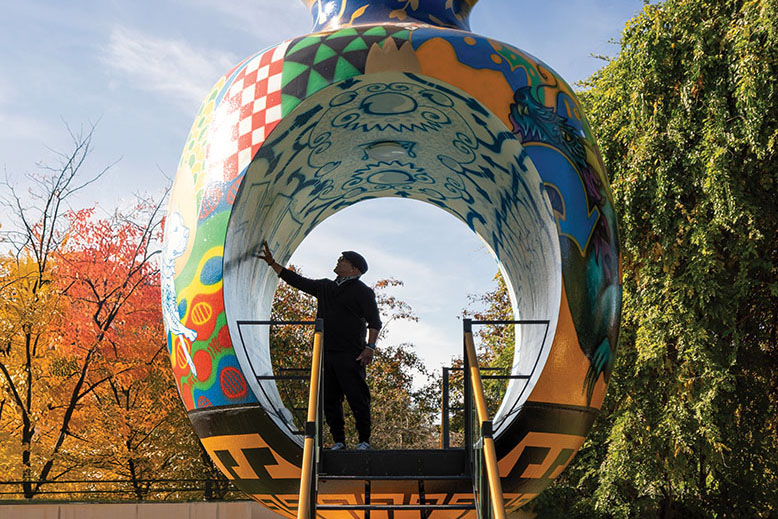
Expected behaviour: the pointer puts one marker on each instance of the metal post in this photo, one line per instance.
(306, 507)
(318, 328)
(444, 434)
(488, 450)
(467, 325)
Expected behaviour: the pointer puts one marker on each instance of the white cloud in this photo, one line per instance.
(431, 343)
(169, 66)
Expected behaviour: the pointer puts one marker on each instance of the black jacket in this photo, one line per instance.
(348, 310)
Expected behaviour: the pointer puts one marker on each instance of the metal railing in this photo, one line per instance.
(487, 490)
(152, 490)
(306, 508)
(281, 375)
(447, 409)
(312, 444)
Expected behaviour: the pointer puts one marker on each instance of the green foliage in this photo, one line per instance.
(687, 119)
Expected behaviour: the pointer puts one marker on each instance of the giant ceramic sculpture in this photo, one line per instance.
(390, 98)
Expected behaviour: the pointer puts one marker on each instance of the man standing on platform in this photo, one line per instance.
(350, 312)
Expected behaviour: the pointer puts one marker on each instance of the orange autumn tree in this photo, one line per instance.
(41, 390)
(81, 322)
(111, 300)
(85, 388)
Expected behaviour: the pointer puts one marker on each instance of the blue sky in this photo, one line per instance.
(141, 69)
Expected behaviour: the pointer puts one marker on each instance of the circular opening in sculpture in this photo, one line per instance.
(391, 135)
(439, 262)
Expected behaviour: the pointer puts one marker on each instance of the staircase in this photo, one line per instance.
(472, 470)
(383, 472)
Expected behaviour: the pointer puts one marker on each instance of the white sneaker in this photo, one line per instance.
(338, 446)
(363, 446)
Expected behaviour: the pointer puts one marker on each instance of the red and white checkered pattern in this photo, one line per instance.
(249, 111)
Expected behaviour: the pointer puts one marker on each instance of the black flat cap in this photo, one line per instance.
(355, 259)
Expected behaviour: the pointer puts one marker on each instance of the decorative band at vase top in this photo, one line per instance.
(330, 14)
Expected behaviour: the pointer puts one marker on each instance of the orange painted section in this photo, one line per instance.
(554, 442)
(438, 59)
(563, 376)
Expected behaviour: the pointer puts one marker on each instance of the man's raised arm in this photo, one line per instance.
(299, 282)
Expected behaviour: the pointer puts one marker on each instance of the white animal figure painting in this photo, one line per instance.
(176, 237)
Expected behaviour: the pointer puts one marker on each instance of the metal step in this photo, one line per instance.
(390, 465)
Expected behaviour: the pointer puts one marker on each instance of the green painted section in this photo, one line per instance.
(357, 44)
(323, 53)
(344, 70)
(291, 71)
(315, 83)
(208, 231)
(305, 42)
(343, 33)
(375, 31)
(288, 103)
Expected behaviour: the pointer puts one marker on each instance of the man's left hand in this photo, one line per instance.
(366, 357)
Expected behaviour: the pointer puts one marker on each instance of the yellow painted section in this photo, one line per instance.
(562, 380)
(235, 444)
(438, 59)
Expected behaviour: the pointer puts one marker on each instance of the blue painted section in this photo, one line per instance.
(576, 221)
(567, 108)
(444, 13)
(212, 271)
(214, 392)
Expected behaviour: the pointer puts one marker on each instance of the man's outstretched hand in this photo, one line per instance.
(366, 357)
(265, 254)
(268, 257)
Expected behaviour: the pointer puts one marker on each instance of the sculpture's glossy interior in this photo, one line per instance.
(392, 135)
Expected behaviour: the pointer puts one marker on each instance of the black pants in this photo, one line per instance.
(343, 375)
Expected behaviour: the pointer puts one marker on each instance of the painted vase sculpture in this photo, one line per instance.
(390, 98)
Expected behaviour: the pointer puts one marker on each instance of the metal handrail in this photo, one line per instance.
(307, 502)
(286, 371)
(446, 408)
(489, 451)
